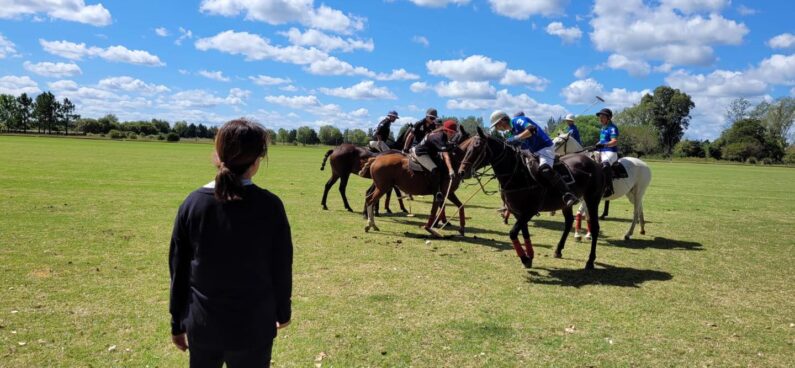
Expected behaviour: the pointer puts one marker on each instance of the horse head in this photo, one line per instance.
(479, 151)
(564, 144)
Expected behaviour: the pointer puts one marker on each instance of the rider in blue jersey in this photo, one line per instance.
(572, 129)
(531, 139)
(607, 147)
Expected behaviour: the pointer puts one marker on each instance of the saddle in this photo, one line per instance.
(559, 166)
(414, 165)
(619, 171)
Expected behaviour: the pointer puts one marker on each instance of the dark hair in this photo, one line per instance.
(238, 145)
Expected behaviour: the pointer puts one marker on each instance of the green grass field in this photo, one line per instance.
(85, 224)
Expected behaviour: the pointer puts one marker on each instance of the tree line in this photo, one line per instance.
(652, 127)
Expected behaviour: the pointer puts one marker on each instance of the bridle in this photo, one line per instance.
(495, 160)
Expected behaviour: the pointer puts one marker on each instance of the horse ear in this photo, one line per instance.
(480, 133)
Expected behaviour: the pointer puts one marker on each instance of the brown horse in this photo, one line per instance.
(344, 160)
(393, 171)
(525, 196)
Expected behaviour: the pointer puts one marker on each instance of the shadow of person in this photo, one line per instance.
(603, 275)
(656, 243)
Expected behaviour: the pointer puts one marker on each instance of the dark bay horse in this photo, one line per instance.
(344, 160)
(393, 171)
(525, 196)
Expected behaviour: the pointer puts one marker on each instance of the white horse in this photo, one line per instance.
(633, 186)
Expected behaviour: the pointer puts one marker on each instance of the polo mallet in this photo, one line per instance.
(598, 99)
(441, 209)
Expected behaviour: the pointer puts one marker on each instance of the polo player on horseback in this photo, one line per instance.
(607, 147)
(531, 139)
(427, 152)
(420, 129)
(381, 134)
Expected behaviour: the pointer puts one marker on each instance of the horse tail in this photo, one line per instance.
(328, 153)
(365, 171)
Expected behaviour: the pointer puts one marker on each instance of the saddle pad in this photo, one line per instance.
(619, 171)
(414, 165)
(564, 171)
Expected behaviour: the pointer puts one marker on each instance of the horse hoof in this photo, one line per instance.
(626, 237)
(527, 262)
(367, 229)
(325, 208)
(375, 228)
(589, 266)
(602, 217)
(461, 232)
(588, 236)
(388, 211)
(578, 238)
(558, 255)
(433, 232)
(404, 210)
(347, 208)
(643, 232)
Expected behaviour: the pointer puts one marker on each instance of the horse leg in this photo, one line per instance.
(578, 223)
(639, 197)
(367, 195)
(528, 245)
(386, 201)
(632, 196)
(400, 200)
(376, 195)
(568, 217)
(431, 219)
(593, 222)
(461, 217)
(521, 224)
(329, 184)
(606, 210)
(343, 186)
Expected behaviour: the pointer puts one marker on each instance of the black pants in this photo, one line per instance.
(208, 358)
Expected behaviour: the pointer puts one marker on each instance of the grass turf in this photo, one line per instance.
(84, 229)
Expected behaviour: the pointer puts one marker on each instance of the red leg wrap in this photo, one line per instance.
(528, 245)
(518, 248)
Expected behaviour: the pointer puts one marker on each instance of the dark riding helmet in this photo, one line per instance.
(605, 112)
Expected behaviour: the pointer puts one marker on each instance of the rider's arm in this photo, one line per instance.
(446, 157)
(527, 133)
(613, 142)
(409, 140)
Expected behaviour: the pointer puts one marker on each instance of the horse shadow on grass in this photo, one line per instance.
(417, 221)
(604, 274)
(475, 240)
(656, 243)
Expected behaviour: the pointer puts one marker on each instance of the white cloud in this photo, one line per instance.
(330, 113)
(63, 85)
(439, 3)
(183, 71)
(584, 92)
(184, 34)
(7, 48)
(360, 113)
(264, 80)
(672, 32)
(322, 41)
(285, 11)
(121, 54)
(333, 66)
(397, 74)
(161, 31)
(745, 11)
(523, 9)
(48, 69)
(582, 72)
(254, 47)
(294, 102)
(568, 35)
(214, 75)
(422, 40)
(473, 68)
(130, 84)
(289, 88)
(70, 10)
(514, 77)
(782, 41)
(13, 85)
(466, 90)
(635, 68)
(508, 102)
(198, 98)
(365, 90)
(418, 87)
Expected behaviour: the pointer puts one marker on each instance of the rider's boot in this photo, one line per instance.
(607, 169)
(554, 180)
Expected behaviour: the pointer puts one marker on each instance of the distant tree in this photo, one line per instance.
(292, 136)
(161, 126)
(329, 135)
(778, 118)
(589, 128)
(738, 109)
(89, 126)
(66, 114)
(181, 128)
(172, 137)
(201, 131)
(306, 135)
(8, 107)
(45, 111)
(639, 114)
(638, 140)
(689, 148)
(271, 136)
(282, 135)
(747, 139)
(670, 111)
(191, 131)
(24, 111)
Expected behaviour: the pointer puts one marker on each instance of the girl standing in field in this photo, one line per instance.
(231, 259)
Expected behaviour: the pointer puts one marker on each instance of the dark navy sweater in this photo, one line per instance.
(231, 269)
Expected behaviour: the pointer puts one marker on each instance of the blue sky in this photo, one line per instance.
(288, 63)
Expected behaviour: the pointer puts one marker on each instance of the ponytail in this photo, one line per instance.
(238, 145)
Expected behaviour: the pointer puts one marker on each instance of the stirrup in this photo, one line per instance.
(570, 200)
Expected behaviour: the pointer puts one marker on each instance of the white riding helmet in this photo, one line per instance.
(569, 117)
(496, 116)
